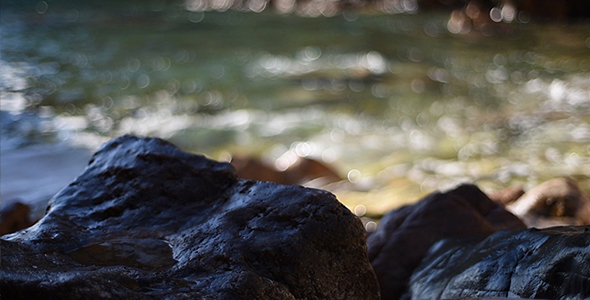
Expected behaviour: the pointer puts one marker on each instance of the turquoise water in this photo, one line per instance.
(378, 96)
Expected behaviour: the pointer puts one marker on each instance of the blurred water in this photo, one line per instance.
(379, 96)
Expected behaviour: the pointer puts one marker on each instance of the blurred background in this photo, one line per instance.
(393, 99)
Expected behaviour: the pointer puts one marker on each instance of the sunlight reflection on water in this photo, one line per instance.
(379, 96)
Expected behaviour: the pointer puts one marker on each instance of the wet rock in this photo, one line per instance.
(558, 201)
(487, 298)
(302, 171)
(552, 263)
(14, 218)
(507, 195)
(405, 235)
(147, 221)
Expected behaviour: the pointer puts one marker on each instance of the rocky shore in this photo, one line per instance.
(148, 221)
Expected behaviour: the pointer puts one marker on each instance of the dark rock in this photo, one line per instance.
(552, 263)
(487, 298)
(14, 218)
(558, 201)
(405, 235)
(147, 221)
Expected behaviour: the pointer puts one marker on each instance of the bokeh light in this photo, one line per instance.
(393, 97)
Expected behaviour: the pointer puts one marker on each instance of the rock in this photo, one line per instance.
(248, 167)
(301, 171)
(487, 298)
(552, 263)
(544, 9)
(558, 201)
(405, 235)
(14, 218)
(507, 195)
(147, 221)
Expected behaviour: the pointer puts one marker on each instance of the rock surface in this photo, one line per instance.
(552, 263)
(302, 171)
(405, 235)
(507, 195)
(147, 221)
(558, 201)
(15, 217)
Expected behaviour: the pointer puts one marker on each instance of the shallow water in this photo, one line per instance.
(395, 102)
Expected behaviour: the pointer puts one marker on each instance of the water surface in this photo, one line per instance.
(396, 103)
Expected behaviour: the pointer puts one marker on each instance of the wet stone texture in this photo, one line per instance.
(405, 235)
(551, 263)
(147, 221)
(559, 201)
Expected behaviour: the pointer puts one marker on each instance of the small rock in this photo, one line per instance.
(303, 170)
(507, 195)
(552, 263)
(148, 221)
(248, 167)
(307, 169)
(558, 201)
(14, 218)
(405, 235)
